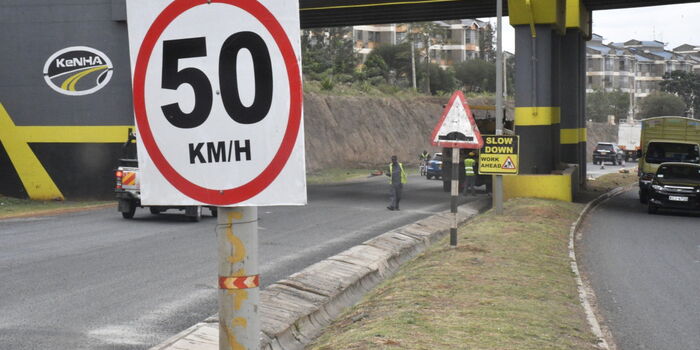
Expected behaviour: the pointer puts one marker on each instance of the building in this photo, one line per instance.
(635, 67)
(452, 42)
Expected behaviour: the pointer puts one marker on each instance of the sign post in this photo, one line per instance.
(457, 130)
(498, 179)
(218, 107)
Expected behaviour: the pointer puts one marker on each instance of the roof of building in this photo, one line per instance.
(599, 48)
(687, 48)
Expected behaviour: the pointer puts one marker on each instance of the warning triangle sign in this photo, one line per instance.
(508, 164)
(457, 128)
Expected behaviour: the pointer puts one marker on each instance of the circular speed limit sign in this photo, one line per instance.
(217, 96)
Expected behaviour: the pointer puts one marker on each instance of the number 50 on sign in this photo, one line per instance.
(218, 101)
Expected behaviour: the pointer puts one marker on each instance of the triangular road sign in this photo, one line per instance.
(456, 128)
(508, 164)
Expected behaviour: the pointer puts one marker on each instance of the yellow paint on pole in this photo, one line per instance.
(238, 247)
(232, 341)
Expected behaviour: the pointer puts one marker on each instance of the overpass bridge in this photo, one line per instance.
(41, 130)
(550, 66)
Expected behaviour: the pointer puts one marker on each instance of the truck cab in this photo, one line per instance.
(127, 186)
(666, 139)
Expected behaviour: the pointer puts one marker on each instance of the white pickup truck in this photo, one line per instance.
(128, 186)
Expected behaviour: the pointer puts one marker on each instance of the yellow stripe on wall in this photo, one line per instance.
(36, 181)
(537, 116)
(572, 136)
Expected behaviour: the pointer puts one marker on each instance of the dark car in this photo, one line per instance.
(435, 167)
(675, 186)
(608, 152)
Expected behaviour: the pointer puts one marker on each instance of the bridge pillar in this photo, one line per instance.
(549, 97)
(537, 112)
(573, 86)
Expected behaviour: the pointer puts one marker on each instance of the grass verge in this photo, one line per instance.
(508, 285)
(11, 207)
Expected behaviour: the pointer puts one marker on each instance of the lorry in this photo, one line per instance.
(127, 186)
(629, 134)
(666, 139)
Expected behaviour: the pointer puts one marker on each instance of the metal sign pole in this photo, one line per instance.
(455, 196)
(498, 179)
(239, 282)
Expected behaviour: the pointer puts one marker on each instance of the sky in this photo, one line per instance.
(672, 24)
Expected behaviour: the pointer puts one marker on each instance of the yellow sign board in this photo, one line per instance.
(499, 156)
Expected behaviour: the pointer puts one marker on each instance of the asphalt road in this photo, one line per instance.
(593, 171)
(645, 270)
(92, 280)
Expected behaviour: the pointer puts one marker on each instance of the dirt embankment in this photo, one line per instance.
(352, 131)
(361, 131)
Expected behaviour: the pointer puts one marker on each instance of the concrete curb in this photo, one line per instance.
(585, 292)
(295, 310)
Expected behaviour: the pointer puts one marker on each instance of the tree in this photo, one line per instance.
(397, 59)
(476, 75)
(328, 50)
(600, 104)
(375, 66)
(685, 85)
(441, 80)
(487, 52)
(427, 33)
(661, 104)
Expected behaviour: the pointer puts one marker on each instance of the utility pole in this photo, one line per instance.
(498, 179)
(413, 56)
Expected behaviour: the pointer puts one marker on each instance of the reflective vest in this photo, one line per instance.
(469, 166)
(403, 173)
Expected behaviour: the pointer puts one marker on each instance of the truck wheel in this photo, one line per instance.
(155, 210)
(194, 214)
(214, 211)
(128, 208)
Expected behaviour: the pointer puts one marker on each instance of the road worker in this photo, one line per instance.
(470, 174)
(397, 177)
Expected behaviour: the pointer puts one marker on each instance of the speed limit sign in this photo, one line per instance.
(218, 101)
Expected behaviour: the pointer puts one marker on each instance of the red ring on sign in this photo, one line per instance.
(259, 183)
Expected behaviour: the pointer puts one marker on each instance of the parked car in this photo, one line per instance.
(675, 186)
(435, 167)
(608, 152)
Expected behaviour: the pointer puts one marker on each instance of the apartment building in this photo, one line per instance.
(635, 66)
(454, 41)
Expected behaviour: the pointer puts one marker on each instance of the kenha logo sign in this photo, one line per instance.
(78, 70)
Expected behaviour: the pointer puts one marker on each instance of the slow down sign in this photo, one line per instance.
(499, 155)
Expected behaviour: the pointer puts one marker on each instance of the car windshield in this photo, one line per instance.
(438, 157)
(661, 152)
(604, 147)
(679, 173)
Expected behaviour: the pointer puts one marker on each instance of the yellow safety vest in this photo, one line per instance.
(469, 166)
(403, 173)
